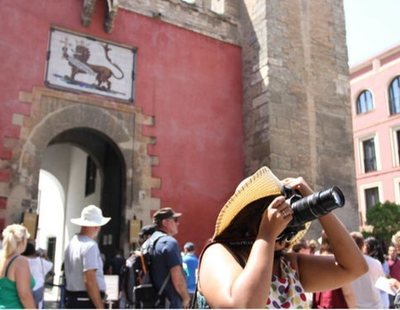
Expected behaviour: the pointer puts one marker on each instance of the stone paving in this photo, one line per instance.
(51, 297)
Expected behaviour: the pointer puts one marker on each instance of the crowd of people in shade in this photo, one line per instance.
(23, 268)
(361, 293)
(374, 290)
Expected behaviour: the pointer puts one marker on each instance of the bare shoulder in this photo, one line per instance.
(217, 263)
(21, 264)
(214, 255)
(218, 254)
(21, 261)
(19, 268)
(215, 249)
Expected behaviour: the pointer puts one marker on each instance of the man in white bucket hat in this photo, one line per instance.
(83, 264)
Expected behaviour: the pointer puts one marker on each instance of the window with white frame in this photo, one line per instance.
(396, 146)
(364, 102)
(371, 197)
(397, 190)
(394, 96)
(369, 155)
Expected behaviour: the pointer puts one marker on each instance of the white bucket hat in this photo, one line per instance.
(91, 216)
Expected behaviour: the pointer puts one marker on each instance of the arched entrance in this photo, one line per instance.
(65, 128)
(87, 168)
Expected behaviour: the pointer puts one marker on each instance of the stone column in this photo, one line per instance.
(297, 112)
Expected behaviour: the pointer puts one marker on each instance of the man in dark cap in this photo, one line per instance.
(146, 232)
(166, 260)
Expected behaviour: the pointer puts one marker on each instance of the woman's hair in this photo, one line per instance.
(396, 238)
(312, 244)
(29, 250)
(13, 235)
(302, 244)
(374, 249)
(358, 239)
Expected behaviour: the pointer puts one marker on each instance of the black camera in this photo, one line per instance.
(306, 209)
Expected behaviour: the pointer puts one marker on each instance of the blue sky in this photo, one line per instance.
(371, 27)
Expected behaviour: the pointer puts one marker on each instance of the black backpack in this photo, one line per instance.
(135, 279)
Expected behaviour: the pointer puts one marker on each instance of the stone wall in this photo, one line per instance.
(296, 94)
(197, 16)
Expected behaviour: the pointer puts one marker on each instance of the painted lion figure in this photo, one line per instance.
(79, 63)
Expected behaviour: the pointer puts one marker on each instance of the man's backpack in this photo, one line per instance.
(135, 279)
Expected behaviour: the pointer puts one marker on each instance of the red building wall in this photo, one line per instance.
(190, 83)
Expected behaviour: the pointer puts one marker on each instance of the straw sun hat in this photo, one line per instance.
(246, 206)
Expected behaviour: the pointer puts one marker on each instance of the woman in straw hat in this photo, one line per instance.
(16, 282)
(244, 266)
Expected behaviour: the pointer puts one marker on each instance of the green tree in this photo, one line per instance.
(385, 219)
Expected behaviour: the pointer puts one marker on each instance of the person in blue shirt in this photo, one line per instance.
(190, 265)
(166, 260)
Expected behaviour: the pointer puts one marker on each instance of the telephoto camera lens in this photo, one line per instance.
(316, 205)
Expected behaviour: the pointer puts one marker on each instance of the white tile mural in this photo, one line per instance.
(87, 64)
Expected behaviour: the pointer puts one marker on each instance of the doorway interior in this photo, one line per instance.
(80, 166)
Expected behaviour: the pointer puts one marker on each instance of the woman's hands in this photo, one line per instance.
(298, 184)
(279, 213)
(394, 284)
(275, 219)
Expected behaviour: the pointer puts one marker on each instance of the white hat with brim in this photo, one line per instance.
(91, 216)
(263, 183)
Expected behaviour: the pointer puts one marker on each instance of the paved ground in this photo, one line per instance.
(51, 297)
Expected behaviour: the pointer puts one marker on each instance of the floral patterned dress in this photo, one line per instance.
(287, 291)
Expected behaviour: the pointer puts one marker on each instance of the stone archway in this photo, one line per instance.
(58, 117)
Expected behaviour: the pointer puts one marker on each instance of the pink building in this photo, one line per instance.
(375, 97)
